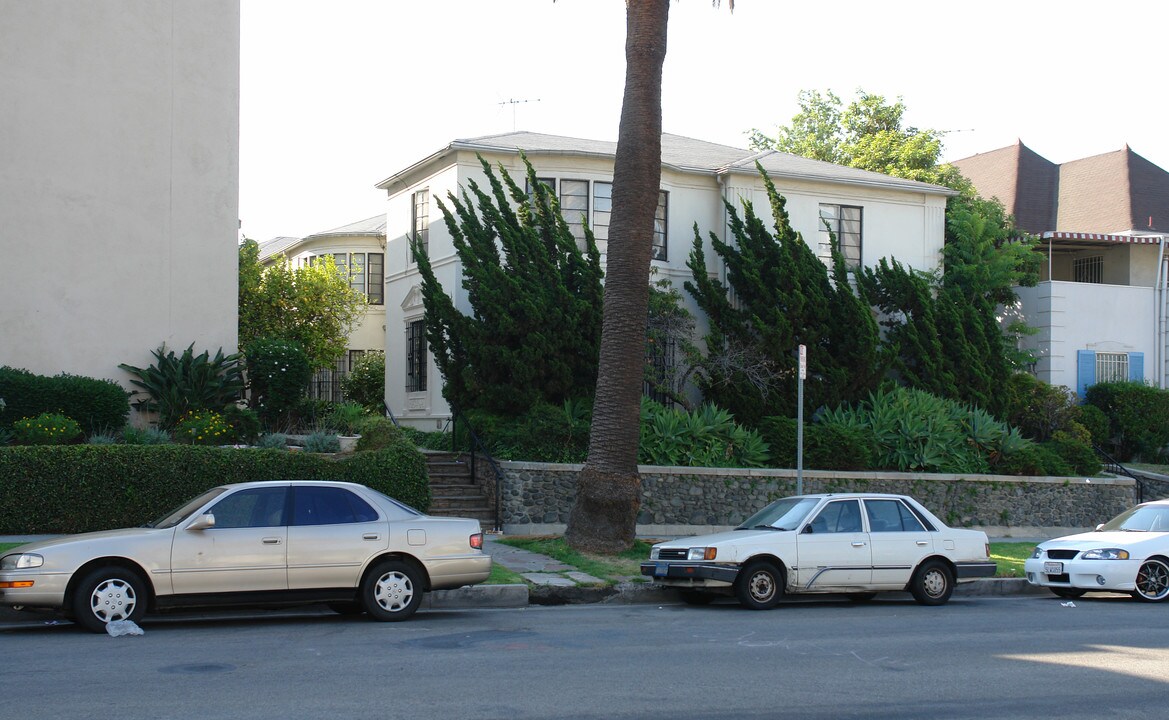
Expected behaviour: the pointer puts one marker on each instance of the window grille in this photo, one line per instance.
(1088, 269)
(1111, 367)
(416, 356)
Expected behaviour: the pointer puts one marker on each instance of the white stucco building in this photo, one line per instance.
(358, 249)
(874, 215)
(119, 181)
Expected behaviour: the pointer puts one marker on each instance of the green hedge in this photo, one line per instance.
(78, 488)
(1138, 418)
(96, 405)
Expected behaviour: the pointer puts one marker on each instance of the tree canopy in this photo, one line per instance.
(312, 305)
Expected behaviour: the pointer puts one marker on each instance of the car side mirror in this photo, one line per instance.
(203, 522)
(807, 529)
(1100, 526)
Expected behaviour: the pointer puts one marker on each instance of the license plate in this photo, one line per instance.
(661, 569)
(1053, 568)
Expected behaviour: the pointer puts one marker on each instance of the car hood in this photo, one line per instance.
(90, 537)
(1095, 539)
(730, 537)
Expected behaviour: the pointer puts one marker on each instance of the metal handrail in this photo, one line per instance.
(1114, 466)
(478, 446)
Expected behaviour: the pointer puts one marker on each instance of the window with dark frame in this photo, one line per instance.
(845, 221)
(376, 270)
(550, 182)
(420, 219)
(416, 356)
(660, 217)
(602, 209)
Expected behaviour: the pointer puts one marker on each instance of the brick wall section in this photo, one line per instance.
(537, 495)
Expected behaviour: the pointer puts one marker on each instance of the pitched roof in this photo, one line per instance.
(372, 227)
(683, 154)
(1114, 192)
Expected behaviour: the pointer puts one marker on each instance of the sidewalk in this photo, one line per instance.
(551, 582)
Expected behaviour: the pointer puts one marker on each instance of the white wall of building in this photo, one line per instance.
(119, 177)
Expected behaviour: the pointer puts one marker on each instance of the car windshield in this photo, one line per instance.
(1142, 518)
(176, 516)
(785, 514)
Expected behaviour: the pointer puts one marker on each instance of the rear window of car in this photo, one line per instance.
(891, 516)
(316, 505)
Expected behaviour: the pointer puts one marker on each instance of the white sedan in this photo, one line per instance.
(854, 544)
(1129, 553)
(253, 543)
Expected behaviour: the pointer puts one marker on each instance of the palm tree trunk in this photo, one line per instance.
(608, 490)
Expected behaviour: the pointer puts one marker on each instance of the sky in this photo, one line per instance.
(336, 96)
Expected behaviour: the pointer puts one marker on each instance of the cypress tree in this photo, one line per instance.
(536, 300)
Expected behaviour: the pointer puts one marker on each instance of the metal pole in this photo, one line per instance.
(800, 421)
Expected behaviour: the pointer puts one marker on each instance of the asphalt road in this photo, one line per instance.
(1027, 657)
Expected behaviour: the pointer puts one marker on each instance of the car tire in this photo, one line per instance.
(1069, 593)
(1152, 581)
(759, 585)
(861, 596)
(107, 594)
(933, 583)
(392, 591)
(695, 597)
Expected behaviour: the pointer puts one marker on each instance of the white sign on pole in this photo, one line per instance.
(803, 362)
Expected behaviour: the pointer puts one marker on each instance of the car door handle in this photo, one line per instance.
(922, 543)
(271, 541)
(858, 543)
(370, 536)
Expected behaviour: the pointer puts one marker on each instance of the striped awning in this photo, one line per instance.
(1102, 238)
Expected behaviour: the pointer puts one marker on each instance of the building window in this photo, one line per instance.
(603, 209)
(845, 222)
(574, 206)
(376, 288)
(354, 356)
(1111, 367)
(550, 182)
(364, 272)
(416, 356)
(420, 219)
(659, 240)
(1088, 269)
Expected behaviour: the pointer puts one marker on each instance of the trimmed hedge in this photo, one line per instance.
(79, 488)
(96, 405)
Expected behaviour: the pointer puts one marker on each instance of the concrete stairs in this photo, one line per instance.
(453, 491)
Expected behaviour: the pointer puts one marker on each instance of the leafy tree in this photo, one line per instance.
(536, 299)
(366, 382)
(312, 305)
(669, 345)
(868, 134)
(783, 297)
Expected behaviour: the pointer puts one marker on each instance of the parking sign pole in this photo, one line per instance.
(800, 420)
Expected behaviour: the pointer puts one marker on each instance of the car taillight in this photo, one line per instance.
(477, 541)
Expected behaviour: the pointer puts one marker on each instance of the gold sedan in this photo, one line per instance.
(253, 543)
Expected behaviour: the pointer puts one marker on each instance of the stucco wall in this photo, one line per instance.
(536, 497)
(119, 165)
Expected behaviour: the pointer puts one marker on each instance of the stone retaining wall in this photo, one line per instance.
(537, 497)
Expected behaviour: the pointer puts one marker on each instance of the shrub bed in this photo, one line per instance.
(79, 488)
(97, 405)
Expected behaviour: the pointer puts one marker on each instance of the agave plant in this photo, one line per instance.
(175, 385)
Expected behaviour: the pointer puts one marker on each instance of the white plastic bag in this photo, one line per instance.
(117, 628)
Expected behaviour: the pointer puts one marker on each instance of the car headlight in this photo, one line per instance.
(1037, 554)
(702, 553)
(21, 561)
(1105, 554)
(653, 552)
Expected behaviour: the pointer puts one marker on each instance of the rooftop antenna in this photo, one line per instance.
(513, 102)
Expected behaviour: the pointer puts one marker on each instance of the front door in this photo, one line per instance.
(245, 551)
(833, 550)
(899, 542)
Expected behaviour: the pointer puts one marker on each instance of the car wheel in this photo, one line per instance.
(695, 597)
(1069, 593)
(108, 594)
(861, 597)
(759, 585)
(392, 591)
(1152, 581)
(932, 584)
